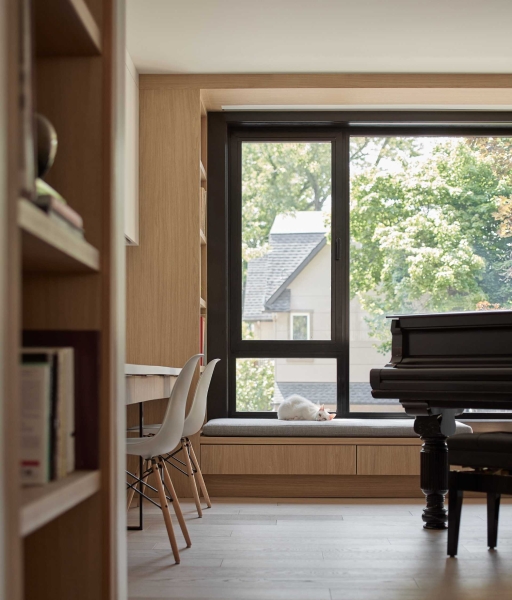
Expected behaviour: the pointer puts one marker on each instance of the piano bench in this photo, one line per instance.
(490, 455)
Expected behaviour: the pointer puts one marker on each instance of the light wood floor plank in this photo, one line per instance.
(357, 549)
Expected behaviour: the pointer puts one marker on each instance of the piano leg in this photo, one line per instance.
(434, 470)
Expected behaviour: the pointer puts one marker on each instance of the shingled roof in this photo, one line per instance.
(294, 241)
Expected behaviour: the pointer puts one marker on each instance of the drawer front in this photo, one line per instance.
(277, 459)
(388, 460)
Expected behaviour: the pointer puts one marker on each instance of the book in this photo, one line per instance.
(56, 207)
(86, 372)
(36, 384)
(62, 410)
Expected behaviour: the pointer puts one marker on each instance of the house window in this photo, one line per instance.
(349, 222)
(300, 326)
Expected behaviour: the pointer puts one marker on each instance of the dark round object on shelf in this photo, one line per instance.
(46, 137)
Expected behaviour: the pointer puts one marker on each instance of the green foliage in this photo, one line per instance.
(254, 384)
(425, 236)
(280, 178)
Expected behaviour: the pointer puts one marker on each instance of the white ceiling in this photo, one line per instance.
(320, 36)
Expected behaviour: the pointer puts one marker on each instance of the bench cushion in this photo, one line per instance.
(394, 428)
(493, 450)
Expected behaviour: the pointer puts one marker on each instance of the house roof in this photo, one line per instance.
(294, 241)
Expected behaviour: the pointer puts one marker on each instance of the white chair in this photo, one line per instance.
(152, 448)
(193, 424)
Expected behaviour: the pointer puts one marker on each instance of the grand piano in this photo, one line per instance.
(442, 364)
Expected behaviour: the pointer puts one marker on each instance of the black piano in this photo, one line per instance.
(442, 364)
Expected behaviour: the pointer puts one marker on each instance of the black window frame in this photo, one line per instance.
(226, 132)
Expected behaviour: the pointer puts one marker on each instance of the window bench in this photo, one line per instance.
(340, 458)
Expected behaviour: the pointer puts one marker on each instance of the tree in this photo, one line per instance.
(254, 384)
(285, 177)
(425, 238)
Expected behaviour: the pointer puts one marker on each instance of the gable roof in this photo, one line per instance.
(269, 276)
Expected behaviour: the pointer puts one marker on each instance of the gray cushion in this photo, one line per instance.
(336, 428)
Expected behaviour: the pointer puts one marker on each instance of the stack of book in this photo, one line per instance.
(47, 414)
(55, 207)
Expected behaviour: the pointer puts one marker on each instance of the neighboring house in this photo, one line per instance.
(287, 296)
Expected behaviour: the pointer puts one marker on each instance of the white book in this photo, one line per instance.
(63, 425)
(35, 417)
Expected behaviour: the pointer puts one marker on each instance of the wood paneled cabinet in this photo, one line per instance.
(310, 456)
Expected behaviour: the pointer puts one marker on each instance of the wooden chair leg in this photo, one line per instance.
(191, 478)
(176, 504)
(493, 514)
(131, 493)
(202, 484)
(165, 512)
(454, 513)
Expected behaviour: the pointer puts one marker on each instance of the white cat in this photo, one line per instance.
(297, 408)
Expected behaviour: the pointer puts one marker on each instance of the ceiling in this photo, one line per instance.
(320, 36)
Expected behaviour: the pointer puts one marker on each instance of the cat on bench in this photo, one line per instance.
(297, 408)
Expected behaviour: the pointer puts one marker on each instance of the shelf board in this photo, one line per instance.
(203, 172)
(202, 304)
(42, 504)
(65, 28)
(203, 237)
(48, 246)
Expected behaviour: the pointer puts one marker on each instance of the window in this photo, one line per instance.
(300, 326)
(329, 228)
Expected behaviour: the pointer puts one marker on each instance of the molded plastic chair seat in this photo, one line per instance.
(192, 425)
(163, 442)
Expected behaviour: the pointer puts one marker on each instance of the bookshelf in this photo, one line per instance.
(203, 227)
(46, 246)
(42, 504)
(65, 539)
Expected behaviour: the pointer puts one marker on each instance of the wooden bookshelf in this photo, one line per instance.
(63, 540)
(48, 246)
(42, 504)
(65, 28)
(203, 238)
(203, 172)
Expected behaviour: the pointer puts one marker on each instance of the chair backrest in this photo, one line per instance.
(195, 417)
(170, 433)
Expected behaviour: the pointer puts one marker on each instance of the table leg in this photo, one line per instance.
(140, 526)
(141, 466)
(434, 470)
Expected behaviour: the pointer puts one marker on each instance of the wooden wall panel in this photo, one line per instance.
(278, 460)
(326, 80)
(163, 272)
(313, 486)
(388, 460)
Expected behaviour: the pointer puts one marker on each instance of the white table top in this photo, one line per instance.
(151, 370)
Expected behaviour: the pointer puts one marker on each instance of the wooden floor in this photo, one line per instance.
(365, 549)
